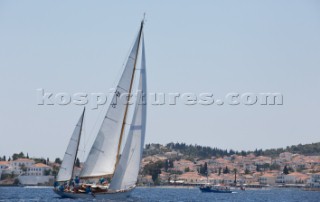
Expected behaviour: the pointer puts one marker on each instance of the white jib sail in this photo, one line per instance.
(127, 171)
(102, 157)
(66, 168)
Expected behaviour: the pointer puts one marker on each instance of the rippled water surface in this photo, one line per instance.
(169, 194)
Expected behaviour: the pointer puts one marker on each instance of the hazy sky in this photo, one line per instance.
(191, 46)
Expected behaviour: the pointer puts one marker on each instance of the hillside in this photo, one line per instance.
(204, 152)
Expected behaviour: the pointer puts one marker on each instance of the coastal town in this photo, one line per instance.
(164, 166)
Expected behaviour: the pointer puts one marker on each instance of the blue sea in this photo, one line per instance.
(169, 194)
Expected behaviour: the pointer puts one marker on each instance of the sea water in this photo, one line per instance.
(169, 194)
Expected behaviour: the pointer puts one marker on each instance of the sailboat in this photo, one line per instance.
(111, 157)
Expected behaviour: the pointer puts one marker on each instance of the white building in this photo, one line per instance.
(314, 181)
(5, 167)
(286, 156)
(18, 166)
(37, 169)
(292, 178)
(249, 167)
(36, 174)
(267, 179)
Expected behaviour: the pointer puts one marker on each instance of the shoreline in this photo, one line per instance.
(184, 187)
(233, 187)
(9, 185)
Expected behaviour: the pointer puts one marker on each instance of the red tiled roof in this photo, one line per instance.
(41, 165)
(23, 160)
(268, 175)
(298, 175)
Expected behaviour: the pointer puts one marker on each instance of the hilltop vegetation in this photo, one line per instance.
(306, 149)
(204, 152)
(200, 152)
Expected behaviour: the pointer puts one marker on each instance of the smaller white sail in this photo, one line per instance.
(66, 168)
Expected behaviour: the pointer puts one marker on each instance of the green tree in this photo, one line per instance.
(47, 172)
(171, 163)
(166, 165)
(58, 161)
(153, 169)
(155, 177)
(226, 170)
(21, 155)
(204, 169)
(40, 160)
(266, 166)
(258, 168)
(275, 166)
(285, 170)
(15, 156)
(235, 175)
(186, 169)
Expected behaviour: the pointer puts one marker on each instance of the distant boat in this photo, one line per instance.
(215, 188)
(105, 159)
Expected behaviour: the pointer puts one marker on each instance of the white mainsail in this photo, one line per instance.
(67, 166)
(127, 171)
(103, 155)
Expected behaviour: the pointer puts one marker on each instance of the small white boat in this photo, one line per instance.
(105, 158)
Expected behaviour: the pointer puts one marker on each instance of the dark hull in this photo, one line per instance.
(108, 195)
(208, 189)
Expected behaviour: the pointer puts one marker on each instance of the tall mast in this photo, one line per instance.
(131, 83)
(80, 132)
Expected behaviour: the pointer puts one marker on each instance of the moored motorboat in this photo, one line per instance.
(215, 188)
